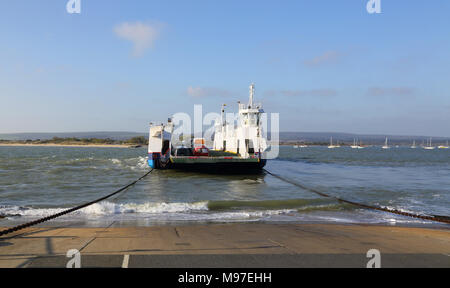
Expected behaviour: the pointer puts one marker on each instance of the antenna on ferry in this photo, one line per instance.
(222, 114)
(252, 92)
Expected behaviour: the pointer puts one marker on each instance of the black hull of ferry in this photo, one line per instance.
(218, 168)
(221, 168)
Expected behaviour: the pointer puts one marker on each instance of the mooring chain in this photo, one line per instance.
(442, 219)
(51, 217)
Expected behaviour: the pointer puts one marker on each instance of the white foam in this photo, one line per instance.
(149, 211)
(16, 210)
(116, 161)
(109, 208)
(197, 211)
(134, 164)
(102, 208)
(142, 162)
(159, 208)
(404, 210)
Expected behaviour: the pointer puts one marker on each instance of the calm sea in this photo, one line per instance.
(39, 181)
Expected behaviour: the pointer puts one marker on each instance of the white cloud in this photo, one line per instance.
(140, 34)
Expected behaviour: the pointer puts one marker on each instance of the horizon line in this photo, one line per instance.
(317, 132)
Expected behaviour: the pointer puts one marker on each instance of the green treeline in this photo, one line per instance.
(140, 140)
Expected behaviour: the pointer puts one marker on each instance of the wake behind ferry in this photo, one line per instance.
(237, 148)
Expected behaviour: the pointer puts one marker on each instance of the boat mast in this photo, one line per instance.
(223, 124)
(252, 92)
(222, 115)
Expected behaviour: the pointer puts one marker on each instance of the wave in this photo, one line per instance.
(78, 164)
(267, 204)
(234, 206)
(329, 207)
(107, 208)
(155, 212)
(304, 210)
(130, 163)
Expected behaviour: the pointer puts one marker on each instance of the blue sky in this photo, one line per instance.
(324, 65)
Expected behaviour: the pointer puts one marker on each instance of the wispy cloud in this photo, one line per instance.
(390, 91)
(142, 35)
(302, 93)
(325, 58)
(202, 92)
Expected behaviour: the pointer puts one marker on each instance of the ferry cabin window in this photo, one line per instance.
(245, 118)
(249, 119)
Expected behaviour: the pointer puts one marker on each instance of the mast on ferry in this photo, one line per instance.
(252, 92)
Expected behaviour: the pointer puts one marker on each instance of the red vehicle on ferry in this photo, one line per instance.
(199, 148)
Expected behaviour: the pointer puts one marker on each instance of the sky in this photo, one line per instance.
(323, 65)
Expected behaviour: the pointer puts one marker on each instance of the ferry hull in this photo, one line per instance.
(221, 168)
(216, 165)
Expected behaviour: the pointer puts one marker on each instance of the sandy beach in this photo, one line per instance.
(228, 245)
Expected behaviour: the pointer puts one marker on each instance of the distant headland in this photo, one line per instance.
(127, 139)
(133, 142)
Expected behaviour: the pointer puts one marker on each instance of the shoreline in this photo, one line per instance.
(9, 221)
(67, 145)
(232, 245)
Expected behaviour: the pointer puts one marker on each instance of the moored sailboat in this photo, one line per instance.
(429, 146)
(354, 146)
(331, 146)
(444, 146)
(386, 146)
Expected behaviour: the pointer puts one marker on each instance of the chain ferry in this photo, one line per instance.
(236, 147)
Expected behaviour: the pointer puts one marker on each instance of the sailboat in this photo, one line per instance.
(386, 146)
(354, 146)
(331, 146)
(414, 145)
(444, 147)
(360, 146)
(429, 147)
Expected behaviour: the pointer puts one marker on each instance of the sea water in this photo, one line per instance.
(39, 181)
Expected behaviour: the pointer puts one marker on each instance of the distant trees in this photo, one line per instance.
(140, 140)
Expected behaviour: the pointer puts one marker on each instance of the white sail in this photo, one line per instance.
(386, 146)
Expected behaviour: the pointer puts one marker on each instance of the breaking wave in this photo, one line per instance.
(211, 210)
(107, 208)
(215, 211)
